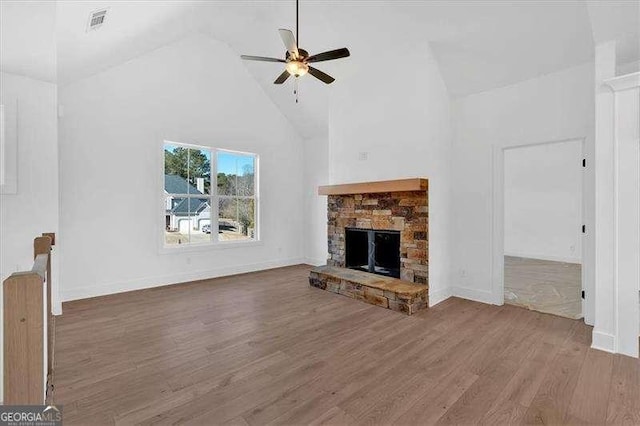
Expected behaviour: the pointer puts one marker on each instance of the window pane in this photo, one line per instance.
(186, 170)
(246, 217)
(227, 224)
(200, 220)
(236, 174)
(175, 169)
(199, 171)
(176, 220)
(187, 220)
(236, 219)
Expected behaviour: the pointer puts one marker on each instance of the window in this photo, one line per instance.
(208, 189)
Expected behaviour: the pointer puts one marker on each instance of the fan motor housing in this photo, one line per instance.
(303, 54)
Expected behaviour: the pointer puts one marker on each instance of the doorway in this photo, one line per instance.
(542, 187)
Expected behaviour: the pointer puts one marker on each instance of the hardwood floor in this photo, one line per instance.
(544, 286)
(265, 348)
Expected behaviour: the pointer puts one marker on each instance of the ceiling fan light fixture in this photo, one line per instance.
(297, 68)
(297, 60)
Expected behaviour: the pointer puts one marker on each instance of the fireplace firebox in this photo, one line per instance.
(375, 251)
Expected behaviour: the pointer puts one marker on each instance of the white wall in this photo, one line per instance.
(402, 123)
(628, 68)
(34, 208)
(553, 107)
(543, 205)
(316, 173)
(195, 90)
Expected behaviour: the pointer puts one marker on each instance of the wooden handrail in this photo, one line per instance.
(42, 247)
(26, 311)
(40, 265)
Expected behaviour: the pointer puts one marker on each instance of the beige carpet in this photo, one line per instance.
(544, 286)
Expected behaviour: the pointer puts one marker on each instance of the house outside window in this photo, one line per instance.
(210, 195)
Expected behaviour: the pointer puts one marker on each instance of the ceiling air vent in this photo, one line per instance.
(96, 19)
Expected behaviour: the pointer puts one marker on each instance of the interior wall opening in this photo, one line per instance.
(543, 227)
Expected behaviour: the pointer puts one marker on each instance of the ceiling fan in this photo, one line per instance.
(297, 60)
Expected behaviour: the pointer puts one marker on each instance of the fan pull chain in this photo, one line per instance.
(295, 88)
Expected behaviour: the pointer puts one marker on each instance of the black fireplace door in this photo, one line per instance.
(372, 251)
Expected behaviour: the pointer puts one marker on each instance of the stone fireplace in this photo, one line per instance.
(405, 212)
(378, 235)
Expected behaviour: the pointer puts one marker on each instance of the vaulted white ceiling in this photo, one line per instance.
(131, 29)
(479, 45)
(27, 44)
(501, 43)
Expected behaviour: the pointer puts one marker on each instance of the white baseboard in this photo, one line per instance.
(473, 294)
(150, 282)
(315, 262)
(438, 296)
(603, 341)
(567, 259)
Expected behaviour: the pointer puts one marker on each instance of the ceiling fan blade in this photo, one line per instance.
(261, 58)
(327, 56)
(325, 78)
(289, 41)
(282, 77)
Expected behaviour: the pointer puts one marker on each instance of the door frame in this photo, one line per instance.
(497, 224)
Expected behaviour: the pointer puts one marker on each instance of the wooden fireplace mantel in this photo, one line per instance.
(397, 185)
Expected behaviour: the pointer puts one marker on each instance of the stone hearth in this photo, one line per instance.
(386, 292)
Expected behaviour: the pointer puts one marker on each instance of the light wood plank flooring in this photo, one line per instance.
(265, 348)
(544, 286)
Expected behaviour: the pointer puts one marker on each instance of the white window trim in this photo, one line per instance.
(214, 243)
